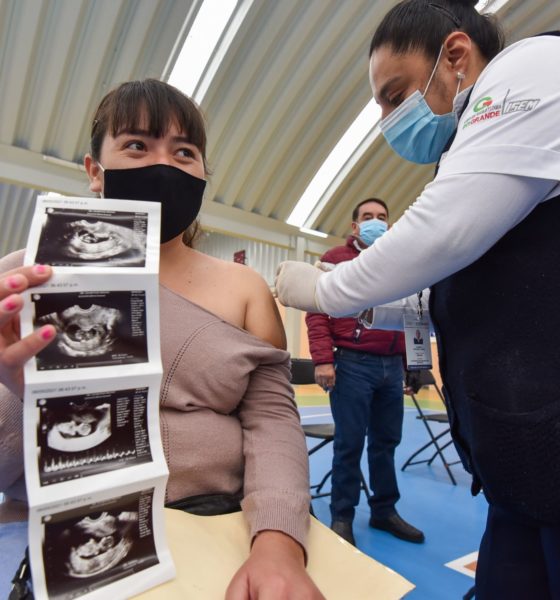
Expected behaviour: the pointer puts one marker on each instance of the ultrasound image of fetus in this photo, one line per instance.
(85, 331)
(98, 240)
(98, 542)
(84, 427)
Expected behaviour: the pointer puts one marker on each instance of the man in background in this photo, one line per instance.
(362, 369)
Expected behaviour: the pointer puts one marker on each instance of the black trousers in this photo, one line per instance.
(517, 561)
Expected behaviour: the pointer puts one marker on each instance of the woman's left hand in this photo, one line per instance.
(275, 570)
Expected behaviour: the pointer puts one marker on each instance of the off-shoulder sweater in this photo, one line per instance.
(229, 422)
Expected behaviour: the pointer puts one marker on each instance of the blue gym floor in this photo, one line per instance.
(451, 519)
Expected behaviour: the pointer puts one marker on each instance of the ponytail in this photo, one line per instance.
(422, 25)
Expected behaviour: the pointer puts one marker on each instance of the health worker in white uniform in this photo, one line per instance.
(484, 236)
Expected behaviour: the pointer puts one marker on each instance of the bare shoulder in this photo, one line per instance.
(250, 277)
(262, 317)
(228, 271)
(237, 293)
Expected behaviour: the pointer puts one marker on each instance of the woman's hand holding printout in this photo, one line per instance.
(14, 351)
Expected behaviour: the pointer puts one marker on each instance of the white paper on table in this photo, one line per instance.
(208, 551)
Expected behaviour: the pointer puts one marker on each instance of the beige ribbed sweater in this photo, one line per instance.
(228, 420)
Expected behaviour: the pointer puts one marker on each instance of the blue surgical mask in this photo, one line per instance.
(415, 132)
(371, 230)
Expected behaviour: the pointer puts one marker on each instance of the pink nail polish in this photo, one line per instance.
(9, 305)
(48, 334)
(40, 269)
(13, 282)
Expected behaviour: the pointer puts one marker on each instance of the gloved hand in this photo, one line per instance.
(324, 266)
(295, 285)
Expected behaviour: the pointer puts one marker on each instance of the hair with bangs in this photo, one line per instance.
(422, 25)
(124, 108)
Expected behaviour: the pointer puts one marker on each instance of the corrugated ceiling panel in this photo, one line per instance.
(287, 122)
(294, 79)
(16, 209)
(59, 57)
(522, 19)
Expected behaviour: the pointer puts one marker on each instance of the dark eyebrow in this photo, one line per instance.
(178, 139)
(370, 214)
(133, 131)
(182, 139)
(383, 92)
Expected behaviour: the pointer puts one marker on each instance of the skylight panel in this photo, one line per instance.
(207, 29)
(335, 163)
(490, 6)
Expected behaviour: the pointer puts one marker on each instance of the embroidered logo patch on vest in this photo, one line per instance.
(485, 108)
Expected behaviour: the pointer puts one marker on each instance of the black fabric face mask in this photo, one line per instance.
(179, 193)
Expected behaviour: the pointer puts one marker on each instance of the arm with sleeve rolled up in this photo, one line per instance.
(456, 220)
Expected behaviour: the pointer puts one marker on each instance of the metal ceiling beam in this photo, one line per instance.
(229, 219)
(31, 169)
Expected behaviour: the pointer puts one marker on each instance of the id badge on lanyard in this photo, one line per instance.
(417, 339)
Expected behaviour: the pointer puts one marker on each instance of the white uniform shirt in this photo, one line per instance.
(504, 161)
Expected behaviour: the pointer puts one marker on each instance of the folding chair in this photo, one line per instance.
(426, 378)
(303, 373)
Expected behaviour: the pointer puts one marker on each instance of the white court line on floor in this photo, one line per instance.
(315, 415)
(459, 564)
(311, 415)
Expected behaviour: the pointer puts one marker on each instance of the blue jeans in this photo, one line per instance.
(367, 400)
(13, 542)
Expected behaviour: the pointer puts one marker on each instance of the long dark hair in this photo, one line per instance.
(161, 104)
(422, 25)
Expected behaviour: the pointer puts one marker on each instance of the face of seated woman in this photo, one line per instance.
(133, 149)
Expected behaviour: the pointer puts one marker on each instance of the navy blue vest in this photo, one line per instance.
(497, 324)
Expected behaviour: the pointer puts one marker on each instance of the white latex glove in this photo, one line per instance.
(295, 285)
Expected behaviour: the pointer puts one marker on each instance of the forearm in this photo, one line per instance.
(277, 485)
(456, 220)
(276, 481)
